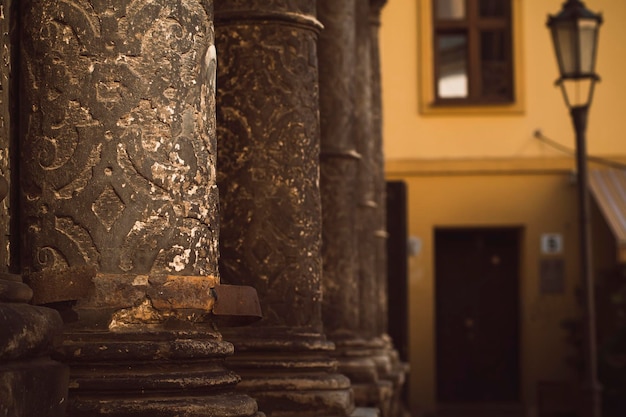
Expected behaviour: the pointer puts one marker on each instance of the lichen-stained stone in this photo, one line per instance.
(118, 156)
(270, 207)
(353, 200)
(268, 169)
(120, 202)
(338, 168)
(391, 370)
(343, 84)
(31, 385)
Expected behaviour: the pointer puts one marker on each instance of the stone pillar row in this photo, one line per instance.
(121, 117)
(353, 198)
(397, 371)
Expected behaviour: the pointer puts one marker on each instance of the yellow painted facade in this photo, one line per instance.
(473, 167)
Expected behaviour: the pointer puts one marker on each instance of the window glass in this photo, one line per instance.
(450, 9)
(473, 56)
(452, 69)
(494, 8)
(495, 67)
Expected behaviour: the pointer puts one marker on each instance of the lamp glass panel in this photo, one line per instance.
(450, 9)
(564, 37)
(578, 92)
(452, 77)
(587, 29)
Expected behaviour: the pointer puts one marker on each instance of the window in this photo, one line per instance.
(473, 54)
(470, 59)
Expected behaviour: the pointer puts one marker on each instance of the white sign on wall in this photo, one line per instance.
(551, 243)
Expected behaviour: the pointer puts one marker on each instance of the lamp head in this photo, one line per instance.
(575, 37)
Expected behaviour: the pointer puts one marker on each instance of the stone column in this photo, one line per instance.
(268, 173)
(396, 372)
(31, 384)
(342, 195)
(119, 207)
(380, 392)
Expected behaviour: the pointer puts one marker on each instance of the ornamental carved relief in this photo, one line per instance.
(268, 168)
(118, 149)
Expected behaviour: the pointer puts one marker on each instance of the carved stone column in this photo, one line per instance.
(268, 173)
(341, 196)
(396, 371)
(119, 208)
(31, 384)
(378, 393)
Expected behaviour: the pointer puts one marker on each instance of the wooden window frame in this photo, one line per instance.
(429, 102)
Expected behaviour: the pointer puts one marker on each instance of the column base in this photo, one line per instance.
(33, 388)
(365, 412)
(152, 374)
(291, 376)
(369, 367)
(31, 384)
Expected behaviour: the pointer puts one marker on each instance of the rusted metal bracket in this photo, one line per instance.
(236, 305)
(231, 305)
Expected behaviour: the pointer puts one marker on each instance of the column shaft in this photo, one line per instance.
(343, 102)
(120, 219)
(394, 371)
(268, 172)
(338, 167)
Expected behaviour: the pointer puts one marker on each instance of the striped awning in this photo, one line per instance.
(608, 186)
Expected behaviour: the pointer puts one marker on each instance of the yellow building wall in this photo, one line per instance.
(410, 134)
(506, 194)
(482, 168)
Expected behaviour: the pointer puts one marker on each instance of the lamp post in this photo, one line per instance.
(575, 36)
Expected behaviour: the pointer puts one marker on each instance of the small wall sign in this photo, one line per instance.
(551, 244)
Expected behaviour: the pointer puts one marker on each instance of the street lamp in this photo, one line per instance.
(575, 36)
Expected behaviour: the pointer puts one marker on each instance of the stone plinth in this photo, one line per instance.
(31, 384)
(268, 173)
(119, 208)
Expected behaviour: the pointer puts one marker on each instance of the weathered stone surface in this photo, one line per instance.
(12, 289)
(27, 331)
(338, 167)
(268, 173)
(153, 373)
(268, 170)
(7, 126)
(354, 202)
(120, 200)
(119, 154)
(391, 369)
(33, 388)
(31, 385)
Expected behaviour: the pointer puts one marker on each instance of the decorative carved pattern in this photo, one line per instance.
(108, 207)
(268, 169)
(6, 125)
(118, 152)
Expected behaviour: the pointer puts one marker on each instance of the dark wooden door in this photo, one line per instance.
(477, 315)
